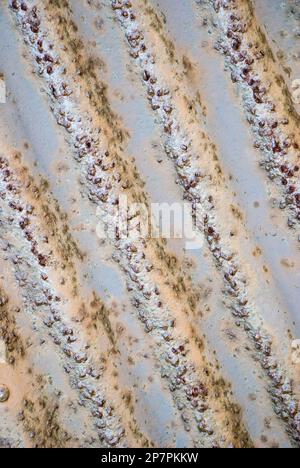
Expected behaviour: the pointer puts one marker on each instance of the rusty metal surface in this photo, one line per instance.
(140, 341)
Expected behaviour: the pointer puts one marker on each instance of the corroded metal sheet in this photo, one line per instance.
(149, 223)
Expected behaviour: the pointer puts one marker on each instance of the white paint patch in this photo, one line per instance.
(2, 91)
(2, 352)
